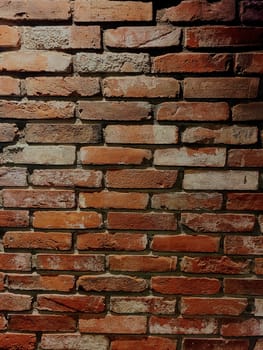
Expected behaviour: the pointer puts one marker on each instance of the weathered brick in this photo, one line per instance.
(14, 218)
(220, 180)
(111, 11)
(8, 132)
(184, 156)
(141, 86)
(15, 262)
(258, 307)
(251, 11)
(9, 86)
(245, 158)
(143, 37)
(243, 286)
(13, 177)
(260, 220)
(247, 111)
(17, 341)
(242, 328)
(15, 302)
(258, 269)
(259, 344)
(215, 344)
(245, 201)
(74, 341)
(148, 343)
(221, 87)
(249, 62)
(112, 62)
(244, 245)
(2, 281)
(9, 36)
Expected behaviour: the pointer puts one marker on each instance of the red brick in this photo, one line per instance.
(13, 177)
(244, 245)
(50, 323)
(191, 63)
(62, 86)
(240, 328)
(259, 344)
(221, 87)
(8, 132)
(185, 285)
(66, 220)
(247, 111)
(251, 11)
(142, 263)
(192, 111)
(113, 155)
(38, 198)
(14, 218)
(116, 241)
(9, 36)
(112, 283)
(73, 341)
(215, 344)
(15, 262)
(28, 10)
(9, 86)
(111, 11)
(10, 341)
(245, 158)
(143, 37)
(37, 240)
(213, 306)
(147, 178)
(249, 62)
(142, 134)
(2, 281)
(243, 286)
(114, 110)
(219, 36)
(244, 201)
(70, 303)
(187, 201)
(148, 343)
(225, 222)
(58, 283)
(117, 200)
(15, 302)
(186, 156)
(168, 325)
(141, 86)
(258, 269)
(142, 221)
(185, 243)
(219, 265)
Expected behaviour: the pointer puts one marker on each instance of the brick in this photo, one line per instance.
(185, 156)
(70, 303)
(143, 37)
(142, 221)
(62, 37)
(192, 111)
(223, 222)
(213, 306)
(142, 263)
(233, 135)
(62, 86)
(14, 302)
(38, 198)
(8, 132)
(116, 241)
(199, 10)
(58, 283)
(251, 11)
(146, 178)
(50, 323)
(155, 305)
(220, 180)
(116, 200)
(9, 36)
(221, 265)
(15, 262)
(185, 285)
(112, 283)
(113, 155)
(220, 36)
(168, 325)
(32, 61)
(141, 86)
(13, 177)
(9, 86)
(2, 281)
(112, 11)
(249, 62)
(14, 218)
(258, 307)
(243, 286)
(244, 245)
(28, 10)
(44, 155)
(258, 269)
(66, 220)
(185, 243)
(187, 201)
(244, 201)
(259, 344)
(67, 178)
(245, 158)
(247, 111)
(110, 62)
(62, 133)
(221, 87)
(73, 341)
(36, 110)
(141, 134)
(215, 344)
(191, 63)
(3, 322)
(240, 328)
(114, 110)
(17, 341)
(37, 240)
(148, 343)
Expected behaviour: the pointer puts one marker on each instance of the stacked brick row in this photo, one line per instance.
(131, 148)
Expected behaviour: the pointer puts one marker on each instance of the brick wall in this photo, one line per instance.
(130, 177)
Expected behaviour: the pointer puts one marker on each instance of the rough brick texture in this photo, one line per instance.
(131, 174)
